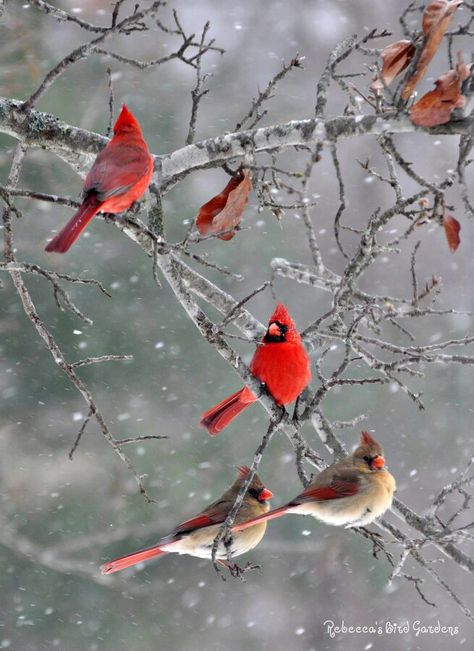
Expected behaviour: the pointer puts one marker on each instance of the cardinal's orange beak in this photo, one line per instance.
(378, 462)
(274, 330)
(265, 494)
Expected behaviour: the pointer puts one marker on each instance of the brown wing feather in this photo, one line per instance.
(216, 513)
(343, 482)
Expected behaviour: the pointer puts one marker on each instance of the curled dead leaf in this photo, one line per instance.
(395, 58)
(437, 11)
(224, 211)
(436, 19)
(436, 106)
(451, 229)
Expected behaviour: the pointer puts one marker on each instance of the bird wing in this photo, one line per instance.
(341, 483)
(116, 170)
(216, 513)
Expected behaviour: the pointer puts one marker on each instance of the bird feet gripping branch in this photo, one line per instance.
(378, 541)
(238, 572)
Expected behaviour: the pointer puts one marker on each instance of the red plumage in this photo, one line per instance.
(336, 490)
(132, 559)
(281, 362)
(119, 176)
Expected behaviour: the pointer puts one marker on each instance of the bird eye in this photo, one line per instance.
(368, 460)
(253, 492)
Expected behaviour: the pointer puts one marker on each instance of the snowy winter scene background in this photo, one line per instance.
(348, 224)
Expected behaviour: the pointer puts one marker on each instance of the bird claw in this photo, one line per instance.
(238, 572)
(375, 538)
(371, 534)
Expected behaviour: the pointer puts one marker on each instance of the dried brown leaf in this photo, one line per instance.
(395, 58)
(437, 11)
(224, 211)
(436, 19)
(436, 106)
(452, 228)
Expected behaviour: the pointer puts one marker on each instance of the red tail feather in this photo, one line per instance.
(69, 234)
(219, 416)
(132, 559)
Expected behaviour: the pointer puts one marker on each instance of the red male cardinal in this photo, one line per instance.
(196, 536)
(351, 493)
(119, 176)
(281, 362)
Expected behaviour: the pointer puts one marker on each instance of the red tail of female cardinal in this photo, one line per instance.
(281, 362)
(132, 559)
(119, 176)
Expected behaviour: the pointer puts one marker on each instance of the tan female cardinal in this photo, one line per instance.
(351, 493)
(196, 536)
(119, 176)
(280, 362)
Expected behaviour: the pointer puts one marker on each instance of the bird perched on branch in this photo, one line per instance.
(280, 362)
(196, 536)
(350, 493)
(119, 176)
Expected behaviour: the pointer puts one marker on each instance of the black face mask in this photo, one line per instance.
(276, 338)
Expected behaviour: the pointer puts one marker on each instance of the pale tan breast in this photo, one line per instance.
(374, 498)
(200, 542)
